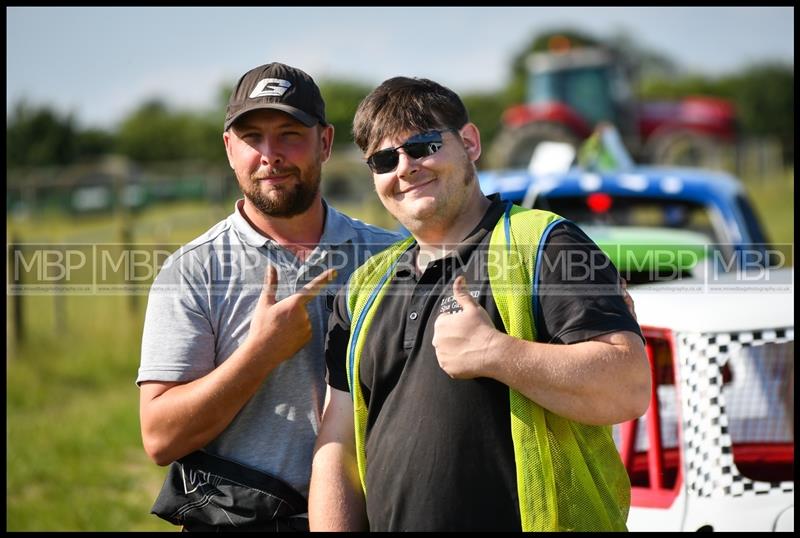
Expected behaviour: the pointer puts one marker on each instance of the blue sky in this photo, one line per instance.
(101, 63)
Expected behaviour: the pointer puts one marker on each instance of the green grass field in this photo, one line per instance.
(75, 460)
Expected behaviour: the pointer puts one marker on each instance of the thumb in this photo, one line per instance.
(461, 294)
(270, 286)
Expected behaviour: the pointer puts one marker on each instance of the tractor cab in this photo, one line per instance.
(590, 82)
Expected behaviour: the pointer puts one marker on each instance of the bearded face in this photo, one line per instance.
(277, 161)
(287, 198)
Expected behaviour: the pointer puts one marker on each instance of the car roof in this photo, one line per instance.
(691, 184)
(713, 302)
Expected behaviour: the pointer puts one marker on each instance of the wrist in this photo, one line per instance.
(257, 348)
(494, 351)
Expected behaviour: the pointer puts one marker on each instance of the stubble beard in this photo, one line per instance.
(284, 200)
(444, 213)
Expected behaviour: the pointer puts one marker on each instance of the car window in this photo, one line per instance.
(604, 209)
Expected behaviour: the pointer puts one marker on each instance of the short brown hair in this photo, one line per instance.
(403, 104)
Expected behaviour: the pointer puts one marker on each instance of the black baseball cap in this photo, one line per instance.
(280, 87)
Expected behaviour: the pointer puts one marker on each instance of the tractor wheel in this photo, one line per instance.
(513, 148)
(684, 148)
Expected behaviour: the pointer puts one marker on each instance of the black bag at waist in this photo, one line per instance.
(206, 491)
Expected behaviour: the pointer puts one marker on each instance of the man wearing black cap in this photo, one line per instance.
(232, 369)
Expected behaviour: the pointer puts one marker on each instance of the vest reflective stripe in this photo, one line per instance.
(569, 475)
(366, 287)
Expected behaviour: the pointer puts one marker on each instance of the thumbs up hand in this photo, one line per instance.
(462, 339)
(281, 328)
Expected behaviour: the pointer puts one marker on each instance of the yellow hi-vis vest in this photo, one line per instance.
(569, 475)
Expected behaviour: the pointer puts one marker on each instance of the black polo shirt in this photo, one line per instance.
(439, 450)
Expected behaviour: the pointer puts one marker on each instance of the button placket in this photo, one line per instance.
(427, 288)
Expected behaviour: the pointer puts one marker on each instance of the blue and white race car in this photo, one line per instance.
(715, 450)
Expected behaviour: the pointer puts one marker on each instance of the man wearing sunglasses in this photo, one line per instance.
(473, 371)
(232, 372)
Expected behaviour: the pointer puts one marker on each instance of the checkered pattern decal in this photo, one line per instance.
(710, 468)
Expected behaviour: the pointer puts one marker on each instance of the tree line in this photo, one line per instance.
(39, 135)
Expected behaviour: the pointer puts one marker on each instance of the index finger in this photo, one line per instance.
(312, 289)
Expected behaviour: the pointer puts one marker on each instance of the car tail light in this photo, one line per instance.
(651, 453)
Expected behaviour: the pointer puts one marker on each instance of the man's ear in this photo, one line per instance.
(226, 139)
(472, 140)
(326, 138)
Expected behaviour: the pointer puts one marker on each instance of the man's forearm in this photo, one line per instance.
(335, 500)
(603, 381)
(186, 417)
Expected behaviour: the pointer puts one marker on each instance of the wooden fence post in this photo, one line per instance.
(126, 238)
(17, 319)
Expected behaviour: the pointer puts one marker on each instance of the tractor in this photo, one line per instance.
(571, 89)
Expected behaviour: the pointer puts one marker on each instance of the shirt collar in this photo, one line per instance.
(461, 253)
(246, 232)
(493, 213)
(336, 231)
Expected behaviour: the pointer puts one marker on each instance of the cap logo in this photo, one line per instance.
(270, 87)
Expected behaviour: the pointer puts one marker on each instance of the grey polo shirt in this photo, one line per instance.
(199, 312)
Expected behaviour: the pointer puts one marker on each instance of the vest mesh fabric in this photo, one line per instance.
(569, 475)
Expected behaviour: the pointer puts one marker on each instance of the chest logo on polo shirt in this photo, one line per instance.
(449, 304)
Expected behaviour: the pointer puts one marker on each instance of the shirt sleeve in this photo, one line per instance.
(178, 342)
(580, 295)
(336, 343)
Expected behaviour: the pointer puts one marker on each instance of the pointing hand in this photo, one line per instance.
(281, 328)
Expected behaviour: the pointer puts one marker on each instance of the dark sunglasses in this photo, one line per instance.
(416, 147)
